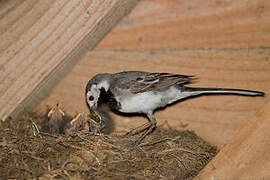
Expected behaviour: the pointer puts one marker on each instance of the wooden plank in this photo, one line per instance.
(157, 24)
(247, 155)
(215, 118)
(42, 39)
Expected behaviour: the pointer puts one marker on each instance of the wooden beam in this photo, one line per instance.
(215, 118)
(42, 40)
(247, 155)
(158, 24)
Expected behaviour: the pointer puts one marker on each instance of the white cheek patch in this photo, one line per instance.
(93, 88)
(88, 95)
(95, 92)
(87, 98)
(103, 84)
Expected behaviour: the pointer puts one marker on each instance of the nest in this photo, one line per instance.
(28, 151)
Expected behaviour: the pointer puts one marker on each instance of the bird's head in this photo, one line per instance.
(94, 87)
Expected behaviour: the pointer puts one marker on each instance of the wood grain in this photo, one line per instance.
(41, 39)
(247, 155)
(215, 118)
(158, 24)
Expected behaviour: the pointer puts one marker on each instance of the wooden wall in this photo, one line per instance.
(224, 43)
(41, 40)
(45, 59)
(177, 24)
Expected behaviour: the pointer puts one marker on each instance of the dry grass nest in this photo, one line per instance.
(28, 151)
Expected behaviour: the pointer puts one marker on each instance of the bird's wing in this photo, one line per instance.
(138, 82)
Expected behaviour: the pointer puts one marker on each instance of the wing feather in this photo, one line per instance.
(156, 81)
(139, 82)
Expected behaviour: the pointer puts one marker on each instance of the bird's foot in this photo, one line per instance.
(138, 130)
(138, 141)
(131, 133)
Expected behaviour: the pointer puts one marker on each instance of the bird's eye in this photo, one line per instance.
(91, 98)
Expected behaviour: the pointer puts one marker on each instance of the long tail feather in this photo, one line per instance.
(199, 91)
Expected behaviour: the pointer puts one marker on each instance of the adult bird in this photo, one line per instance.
(144, 92)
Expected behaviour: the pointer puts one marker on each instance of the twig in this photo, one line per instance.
(72, 146)
(177, 149)
(47, 134)
(179, 161)
(92, 154)
(35, 129)
(108, 144)
(66, 173)
(84, 139)
(28, 153)
(156, 142)
(82, 149)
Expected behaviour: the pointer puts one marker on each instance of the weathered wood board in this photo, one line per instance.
(247, 156)
(40, 39)
(225, 43)
(158, 24)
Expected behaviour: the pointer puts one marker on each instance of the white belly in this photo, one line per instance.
(149, 101)
(141, 103)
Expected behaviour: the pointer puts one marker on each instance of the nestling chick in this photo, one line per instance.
(56, 120)
(79, 122)
(93, 122)
(96, 121)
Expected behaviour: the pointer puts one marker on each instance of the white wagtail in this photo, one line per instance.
(144, 92)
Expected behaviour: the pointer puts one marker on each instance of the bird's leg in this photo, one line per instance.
(138, 129)
(152, 126)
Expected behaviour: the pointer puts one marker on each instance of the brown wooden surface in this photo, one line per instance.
(39, 39)
(224, 43)
(247, 156)
(158, 24)
(216, 118)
